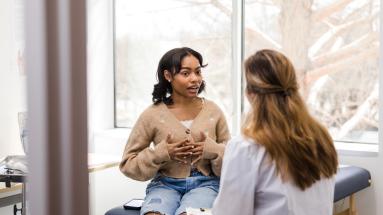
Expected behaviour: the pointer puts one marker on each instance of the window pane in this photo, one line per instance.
(334, 46)
(146, 29)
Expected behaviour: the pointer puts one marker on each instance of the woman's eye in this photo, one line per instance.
(198, 72)
(184, 73)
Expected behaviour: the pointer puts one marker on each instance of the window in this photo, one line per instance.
(333, 44)
(145, 30)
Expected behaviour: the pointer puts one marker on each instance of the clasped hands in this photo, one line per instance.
(185, 150)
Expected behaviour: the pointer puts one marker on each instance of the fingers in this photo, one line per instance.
(196, 144)
(186, 150)
(181, 143)
(185, 145)
(180, 159)
(197, 148)
(196, 152)
(187, 154)
(191, 148)
(181, 152)
(184, 154)
(183, 148)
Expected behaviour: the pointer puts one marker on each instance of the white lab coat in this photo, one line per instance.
(250, 185)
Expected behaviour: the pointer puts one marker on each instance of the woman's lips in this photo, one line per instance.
(193, 89)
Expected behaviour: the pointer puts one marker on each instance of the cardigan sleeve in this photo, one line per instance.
(140, 161)
(214, 150)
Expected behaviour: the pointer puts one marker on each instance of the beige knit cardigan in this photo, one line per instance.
(142, 162)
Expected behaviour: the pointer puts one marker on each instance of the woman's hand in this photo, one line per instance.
(197, 149)
(179, 151)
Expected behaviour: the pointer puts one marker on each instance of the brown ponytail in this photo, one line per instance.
(301, 147)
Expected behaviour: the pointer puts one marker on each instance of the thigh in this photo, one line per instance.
(200, 197)
(161, 199)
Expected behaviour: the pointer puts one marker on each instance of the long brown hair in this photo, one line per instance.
(302, 148)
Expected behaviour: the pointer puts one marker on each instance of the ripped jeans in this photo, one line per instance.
(171, 196)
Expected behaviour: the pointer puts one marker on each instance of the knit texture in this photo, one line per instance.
(142, 162)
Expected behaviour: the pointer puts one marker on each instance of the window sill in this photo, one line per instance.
(119, 136)
(357, 149)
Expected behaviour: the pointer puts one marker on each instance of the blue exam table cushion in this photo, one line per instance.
(349, 180)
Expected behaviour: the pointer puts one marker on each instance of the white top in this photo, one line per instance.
(187, 123)
(250, 185)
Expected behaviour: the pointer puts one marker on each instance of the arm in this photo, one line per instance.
(214, 150)
(237, 184)
(139, 161)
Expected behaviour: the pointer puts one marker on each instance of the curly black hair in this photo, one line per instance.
(171, 61)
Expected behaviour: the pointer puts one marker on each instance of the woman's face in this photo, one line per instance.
(187, 82)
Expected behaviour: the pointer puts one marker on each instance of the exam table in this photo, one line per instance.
(349, 180)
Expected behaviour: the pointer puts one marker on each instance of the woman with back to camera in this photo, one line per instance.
(285, 161)
(189, 135)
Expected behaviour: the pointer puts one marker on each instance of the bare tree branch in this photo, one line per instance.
(313, 75)
(334, 32)
(346, 51)
(370, 122)
(221, 7)
(327, 11)
(358, 12)
(360, 113)
(262, 39)
(355, 14)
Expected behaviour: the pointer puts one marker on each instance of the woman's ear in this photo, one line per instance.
(168, 76)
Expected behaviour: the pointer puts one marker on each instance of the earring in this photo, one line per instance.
(168, 80)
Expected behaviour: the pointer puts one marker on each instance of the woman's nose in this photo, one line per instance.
(194, 77)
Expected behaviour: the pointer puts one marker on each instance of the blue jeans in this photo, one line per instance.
(173, 195)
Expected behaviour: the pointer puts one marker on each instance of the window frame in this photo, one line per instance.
(238, 40)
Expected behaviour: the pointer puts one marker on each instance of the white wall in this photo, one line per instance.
(108, 188)
(100, 67)
(12, 87)
(369, 201)
(12, 84)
